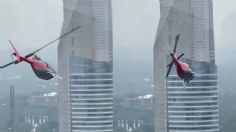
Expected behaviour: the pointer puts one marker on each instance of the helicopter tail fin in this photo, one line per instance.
(15, 53)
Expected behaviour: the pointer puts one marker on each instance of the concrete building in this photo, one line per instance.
(196, 107)
(86, 65)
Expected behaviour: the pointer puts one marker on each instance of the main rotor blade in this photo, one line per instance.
(62, 36)
(13, 62)
(170, 66)
(180, 56)
(176, 42)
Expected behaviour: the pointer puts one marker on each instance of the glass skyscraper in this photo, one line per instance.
(194, 108)
(86, 65)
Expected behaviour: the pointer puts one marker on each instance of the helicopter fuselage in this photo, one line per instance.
(183, 70)
(41, 69)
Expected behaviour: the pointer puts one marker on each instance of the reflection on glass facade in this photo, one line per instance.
(194, 108)
(91, 95)
(86, 66)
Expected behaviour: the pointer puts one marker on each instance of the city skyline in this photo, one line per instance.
(48, 22)
(117, 39)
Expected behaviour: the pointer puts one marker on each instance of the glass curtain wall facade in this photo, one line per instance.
(201, 31)
(91, 95)
(86, 65)
(194, 108)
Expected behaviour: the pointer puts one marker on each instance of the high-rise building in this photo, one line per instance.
(201, 31)
(194, 108)
(86, 66)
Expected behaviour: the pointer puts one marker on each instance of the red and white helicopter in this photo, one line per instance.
(41, 68)
(183, 70)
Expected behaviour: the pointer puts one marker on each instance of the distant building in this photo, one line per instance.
(47, 99)
(129, 126)
(86, 65)
(140, 101)
(194, 108)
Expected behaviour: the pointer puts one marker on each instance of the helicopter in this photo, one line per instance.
(40, 68)
(183, 70)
